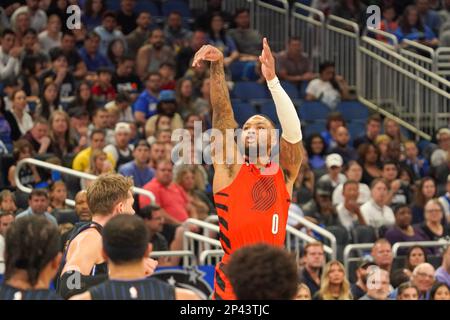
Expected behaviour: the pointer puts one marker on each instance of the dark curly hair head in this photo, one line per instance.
(30, 244)
(262, 272)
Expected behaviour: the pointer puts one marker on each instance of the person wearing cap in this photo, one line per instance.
(138, 168)
(121, 150)
(122, 103)
(167, 106)
(445, 200)
(320, 209)
(334, 177)
(145, 105)
(359, 288)
(59, 74)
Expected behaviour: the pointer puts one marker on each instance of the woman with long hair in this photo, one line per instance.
(415, 256)
(184, 97)
(98, 164)
(116, 50)
(369, 159)
(83, 98)
(425, 191)
(48, 101)
(62, 142)
(440, 291)
(412, 28)
(219, 39)
(28, 174)
(316, 148)
(18, 118)
(186, 179)
(32, 258)
(57, 195)
(433, 225)
(334, 284)
(93, 11)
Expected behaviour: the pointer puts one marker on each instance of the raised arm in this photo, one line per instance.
(291, 149)
(223, 116)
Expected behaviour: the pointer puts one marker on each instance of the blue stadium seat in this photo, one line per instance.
(237, 69)
(356, 128)
(147, 6)
(302, 90)
(314, 127)
(353, 110)
(250, 90)
(313, 110)
(268, 109)
(290, 89)
(176, 5)
(113, 5)
(243, 111)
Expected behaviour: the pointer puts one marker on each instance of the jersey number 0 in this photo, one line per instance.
(275, 223)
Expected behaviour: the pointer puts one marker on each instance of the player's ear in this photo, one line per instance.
(56, 261)
(148, 250)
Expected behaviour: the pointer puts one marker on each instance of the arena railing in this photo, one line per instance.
(415, 97)
(391, 40)
(272, 21)
(412, 50)
(425, 244)
(294, 237)
(207, 255)
(308, 24)
(349, 249)
(443, 61)
(341, 42)
(174, 253)
(189, 239)
(69, 172)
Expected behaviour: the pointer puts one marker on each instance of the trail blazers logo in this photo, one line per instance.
(264, 194)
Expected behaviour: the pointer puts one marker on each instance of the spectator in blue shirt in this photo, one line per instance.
(145, 105)
(429, 17)
(107, 31)
(38, 203)
(138, 169)
(91, 55)
(93, 10)
(412, 28)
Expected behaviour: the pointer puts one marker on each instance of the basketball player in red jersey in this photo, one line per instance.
(252, 197)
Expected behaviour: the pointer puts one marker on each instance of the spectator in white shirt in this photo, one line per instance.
(51, 37)
(329, 88)
(122, 103)
(348, 211)
(334, 177)
(375, 211)
(38, 17)
(121, 150)
(353, 171)
(9, 56)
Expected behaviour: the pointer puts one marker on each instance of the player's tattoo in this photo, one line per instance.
(223, 116)
(291, 156)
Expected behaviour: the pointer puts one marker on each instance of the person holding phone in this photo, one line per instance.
(329, 88)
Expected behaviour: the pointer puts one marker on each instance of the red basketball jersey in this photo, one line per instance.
(252, 209)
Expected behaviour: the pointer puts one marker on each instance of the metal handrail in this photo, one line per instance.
(205, 256)
(312, 13)
(69, 172)
(174, 253)
(346, 22)
(385, 34)
(188, 243)
(323, 232)
(425, 244)
(351, 247)
(408, 62)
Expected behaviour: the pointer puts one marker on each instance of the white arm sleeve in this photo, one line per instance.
(290, 123)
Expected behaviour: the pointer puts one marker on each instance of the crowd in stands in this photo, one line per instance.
(107, 97)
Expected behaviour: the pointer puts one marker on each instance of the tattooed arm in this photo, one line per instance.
(223, 116)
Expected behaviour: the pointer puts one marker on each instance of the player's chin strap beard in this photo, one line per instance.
(255, 156)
